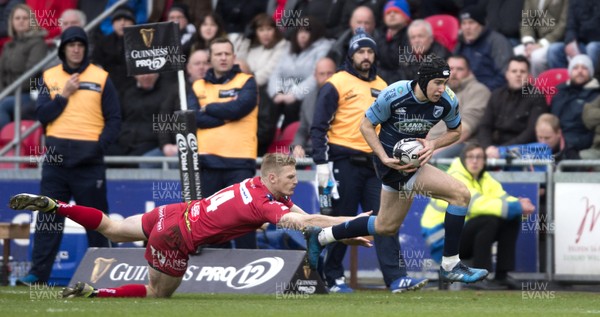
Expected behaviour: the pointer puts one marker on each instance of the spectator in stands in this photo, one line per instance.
(591, 119)
(79, 108)
(210, 27)
(493, 215)
(393, 43)
(581, 35)
(179, 13)
(292, 79)
(472, 96)
(109, 51)
(542, 23)
(6, 8)
(361, 17)
(422, 46)
(488, 51)
(228, 106)
(550, 144)
(196, 68)
(267, 46)
(506, 18)
(569, 101)
(342, 155)
(324, 69)
(512, 110)
(295, 10)
(140, 111)
(342, 12)
(197, 9)
(237, 14)
(25, 49)
(138, 9)
(47, 13)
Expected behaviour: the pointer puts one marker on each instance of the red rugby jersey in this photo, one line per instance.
(232, 212)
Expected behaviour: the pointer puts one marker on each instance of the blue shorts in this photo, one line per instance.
(392, 179)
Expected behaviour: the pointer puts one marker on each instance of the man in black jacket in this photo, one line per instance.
(512, 110)
(79, 108)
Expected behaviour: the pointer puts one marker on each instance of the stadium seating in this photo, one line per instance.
(445, 29)
(549, 79)
(284, 139)
(31, 145)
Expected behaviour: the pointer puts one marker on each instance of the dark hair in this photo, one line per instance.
(219, 40)
(202, 43)
(459, 56)
(520, 59)
(314, 27)
(263, 19)
(470, 146)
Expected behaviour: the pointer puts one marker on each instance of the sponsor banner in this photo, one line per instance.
(214, 271)
(189, 161)
(577, 229)
(153, 48)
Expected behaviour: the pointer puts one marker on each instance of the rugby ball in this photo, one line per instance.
(406, 150)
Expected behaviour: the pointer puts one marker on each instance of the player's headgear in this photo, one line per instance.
(433, 67)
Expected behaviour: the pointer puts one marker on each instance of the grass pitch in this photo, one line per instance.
(23, 301)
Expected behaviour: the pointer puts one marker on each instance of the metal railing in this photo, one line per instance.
(15, 87)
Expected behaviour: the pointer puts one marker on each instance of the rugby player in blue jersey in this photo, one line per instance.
(409, 109)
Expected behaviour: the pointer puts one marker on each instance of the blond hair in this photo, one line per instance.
(549, 119)
(273, 162)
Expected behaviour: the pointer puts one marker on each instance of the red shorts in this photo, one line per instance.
(166, 250)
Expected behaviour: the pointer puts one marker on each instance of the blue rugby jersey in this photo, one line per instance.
(401, 115)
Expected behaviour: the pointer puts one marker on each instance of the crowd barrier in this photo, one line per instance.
(563, 244)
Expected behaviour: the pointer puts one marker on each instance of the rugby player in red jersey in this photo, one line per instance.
(229, 213)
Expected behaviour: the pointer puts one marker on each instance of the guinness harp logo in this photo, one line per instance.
(147, 36)
(101, 266)
(307, 271)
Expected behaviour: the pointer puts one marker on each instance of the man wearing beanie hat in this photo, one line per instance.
(338, 146)
(487, 50)
(408, 109)
(362, 17)
(179, 13)
(109, 50)
(568, 103)
(79, 108)
(393, 41)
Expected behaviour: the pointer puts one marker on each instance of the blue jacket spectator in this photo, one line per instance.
(568, 103)
(488, 51)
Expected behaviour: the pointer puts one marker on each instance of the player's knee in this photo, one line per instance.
(383, 229)
(460, 196)
(158, 292)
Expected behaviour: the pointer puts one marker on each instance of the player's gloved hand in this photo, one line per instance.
(322, 174)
